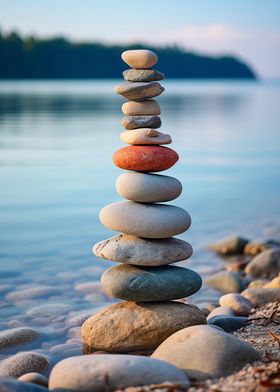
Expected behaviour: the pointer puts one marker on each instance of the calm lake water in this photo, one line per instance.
(56, 143)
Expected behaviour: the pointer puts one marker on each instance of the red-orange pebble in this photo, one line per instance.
(145, 158)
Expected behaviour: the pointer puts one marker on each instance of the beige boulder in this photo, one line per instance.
(137, 327)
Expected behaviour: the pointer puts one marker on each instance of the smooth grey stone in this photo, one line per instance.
(11, 385)
(134, 122)
(49, 310)
(239, 304)
(230, 246)
(148, 188)
(147, 284)
(32, 293)
(142, 75)
(129, 249)
(228, 323)
(23, 362)
(88, 373)
(145, 220)
(139, 91)
(226, 282)
(206, 352)
(17, 336)
(265, 265)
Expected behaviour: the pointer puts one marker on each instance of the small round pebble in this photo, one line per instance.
(228, 323)
(221, 311)
(17, 336)
(238, 303)
(23, 362)
(34, 378)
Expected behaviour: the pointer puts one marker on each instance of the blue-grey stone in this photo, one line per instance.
(11, 385)
(142, 75)
(141, 284)
(228, 323)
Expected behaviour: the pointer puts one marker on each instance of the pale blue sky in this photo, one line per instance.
(248, 28)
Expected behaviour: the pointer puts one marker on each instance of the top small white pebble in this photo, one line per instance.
(141, 58)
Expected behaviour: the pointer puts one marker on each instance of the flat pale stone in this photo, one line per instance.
(239, 304)
(145, 158)
(34, 378)
(205, 352)
(148, 188)
(107, 372)
(221, 311)
(147, 284)
(132, 327)
(129, 249)
(265, 265)
(50, 310)
(32, 293)
(17, 336)
(145, 220)
(134, 108)
(139, 91)
(134, 122)
(145, 136)
(262, 296)
(142, 75)
(23, 362)
(140, 58)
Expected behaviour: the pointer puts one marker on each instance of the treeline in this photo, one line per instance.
(58, 58)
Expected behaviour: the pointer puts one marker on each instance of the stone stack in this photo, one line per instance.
(146, 247)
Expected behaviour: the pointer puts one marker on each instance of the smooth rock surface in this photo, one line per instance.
(140, 58)
(221, 311)
(105, 372)
(11, 385)
(203, 352)
(23, 362)
(148, 188)
(230, 246)
(226, 282)
(132, 327)
(145, 158)
(265, 265)
(139, 91)
(142, 75)
(145, 220)
(254, 248)
(134, 122)
(147, 136)
(147, 284)
(134, 108)
(274, 284)
(48, 310)
(17, 336)
(34, 378)
(128, 249)
(228, 323)
(239, 304)
(262, 296)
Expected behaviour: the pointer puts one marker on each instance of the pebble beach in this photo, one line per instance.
(144, 323)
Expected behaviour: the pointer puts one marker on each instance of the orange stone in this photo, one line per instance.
(145, 158)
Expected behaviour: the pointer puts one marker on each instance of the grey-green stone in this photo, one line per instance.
(145, 284)
(134, 122)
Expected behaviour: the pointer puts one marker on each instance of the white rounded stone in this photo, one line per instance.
(148, 188)
(145, 136)
(141, 58)
(134, 108)
(145, 220)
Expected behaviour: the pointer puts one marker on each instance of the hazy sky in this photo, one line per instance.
(249, 28)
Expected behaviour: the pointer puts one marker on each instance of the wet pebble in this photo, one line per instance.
(48, 310)
(221, 311)
(12, 385)
(31, 293)
(17, 336)
(228, 323)
(238, 303)
(88, 287)
(21, 363)
(34, 378)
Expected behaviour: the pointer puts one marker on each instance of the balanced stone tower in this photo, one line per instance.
(146, 247)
